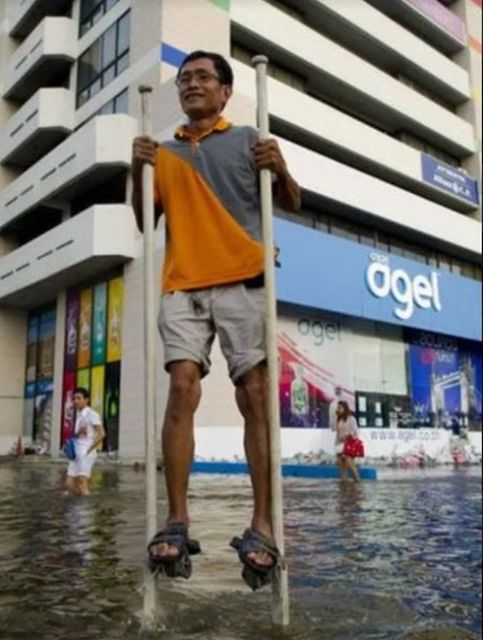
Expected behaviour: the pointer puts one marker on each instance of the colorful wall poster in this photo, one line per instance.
(68, 409)
(315, 370)
(446, 377)
(99, 324)
(29, 410)
(97, 390)
(112, 405)
(85, 329)
(84, 379)
(93, 349)
(43, 415)
(32, 345)
(71, 330)
(46, 346)
(115, 311)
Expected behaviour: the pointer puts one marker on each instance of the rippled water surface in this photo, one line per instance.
(396, 558)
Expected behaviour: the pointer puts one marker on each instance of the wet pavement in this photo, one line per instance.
(396, 558)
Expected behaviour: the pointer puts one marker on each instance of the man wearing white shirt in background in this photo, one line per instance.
(89, 434)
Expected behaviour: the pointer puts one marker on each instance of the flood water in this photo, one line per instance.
(396, 558)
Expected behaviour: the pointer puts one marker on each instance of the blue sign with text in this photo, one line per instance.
(449, 179)
(321, 271)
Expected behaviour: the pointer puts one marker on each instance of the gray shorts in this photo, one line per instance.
(189, 320)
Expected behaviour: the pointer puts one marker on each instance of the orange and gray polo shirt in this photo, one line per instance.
(208, 190)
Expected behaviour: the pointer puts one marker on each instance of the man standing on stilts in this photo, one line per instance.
(206, 181)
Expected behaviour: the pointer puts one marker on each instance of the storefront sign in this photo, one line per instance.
(407, 292)
(449, 179)
(324, 272)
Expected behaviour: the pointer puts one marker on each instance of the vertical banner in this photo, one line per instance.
(99, 325)
(114, 334)
(29, 410)
(46, 349)
(85, 329)
(84, 379)
(32, 345)
(68, 409)
(71, 331)
(112, 405)
(315, 370)
(43, 415)
(97, 390)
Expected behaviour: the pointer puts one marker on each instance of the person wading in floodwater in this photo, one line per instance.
(207, 184)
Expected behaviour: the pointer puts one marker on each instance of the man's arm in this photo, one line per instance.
(144, 151)
(286, 190)
(100, 435)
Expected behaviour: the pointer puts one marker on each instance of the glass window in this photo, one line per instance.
(109, 75)
(367, 238)
(105, 59)
(109, 46)
(444, 263)
(123, 34)
(89, 65)
(344, 229)
(83, 97)
(97, 15)
(87, 7)
(122, 63)
(107, 108)
(95, 87)
(91, 11)
(121, 102)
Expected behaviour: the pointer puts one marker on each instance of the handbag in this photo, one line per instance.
(69, 449)
(353, 447)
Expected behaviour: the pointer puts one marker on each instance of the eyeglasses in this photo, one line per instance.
(201, 76)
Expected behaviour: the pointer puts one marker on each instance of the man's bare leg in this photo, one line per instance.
(83, 486)
(70, 484)
(178, 442)
(252, 400)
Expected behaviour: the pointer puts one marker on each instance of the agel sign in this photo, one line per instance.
(422, 290)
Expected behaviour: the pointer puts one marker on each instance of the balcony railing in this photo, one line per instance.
(432, 21)
(42, 59)
(26, 14)
(87, 158)
(95, 240)
(42, 123)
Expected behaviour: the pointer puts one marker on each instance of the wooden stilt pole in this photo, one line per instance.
(150, 604)
(280, 605)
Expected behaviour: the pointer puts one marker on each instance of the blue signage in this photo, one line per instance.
(449, 179)
(172, 55)
(322, 271)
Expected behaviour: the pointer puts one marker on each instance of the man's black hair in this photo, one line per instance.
(223, 69)
(83, 392)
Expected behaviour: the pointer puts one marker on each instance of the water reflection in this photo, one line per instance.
(392, 559)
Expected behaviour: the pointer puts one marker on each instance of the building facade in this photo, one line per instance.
(377, 107)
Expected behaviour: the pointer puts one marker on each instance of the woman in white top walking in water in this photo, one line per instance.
(345, 425)
(89, 434)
